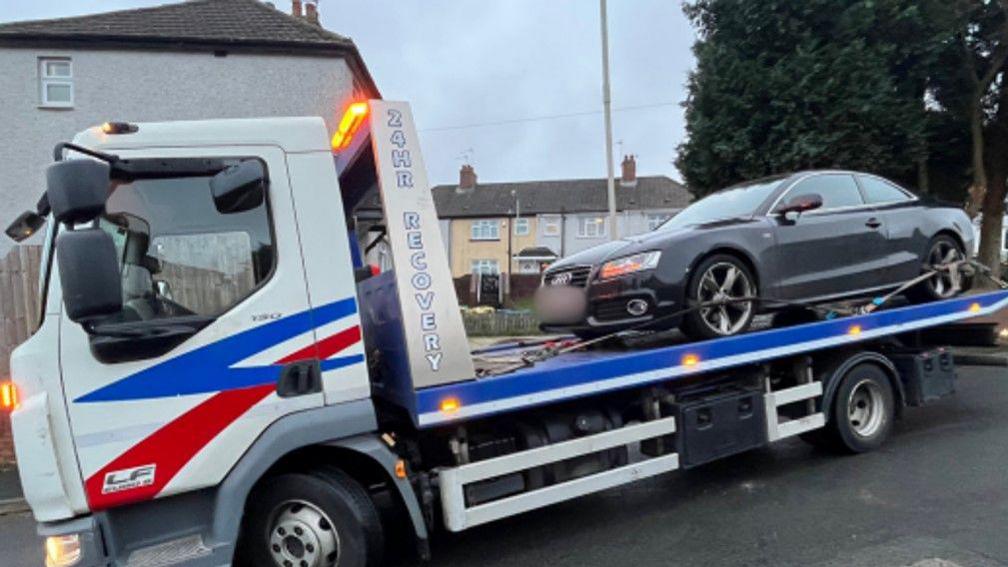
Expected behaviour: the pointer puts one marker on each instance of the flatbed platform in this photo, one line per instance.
(577, 374)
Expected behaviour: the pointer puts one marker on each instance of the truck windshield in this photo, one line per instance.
(735, 202)
(179, 256)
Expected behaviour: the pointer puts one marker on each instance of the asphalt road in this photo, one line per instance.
(934, 496)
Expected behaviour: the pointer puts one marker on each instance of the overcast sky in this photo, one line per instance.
(463, 63)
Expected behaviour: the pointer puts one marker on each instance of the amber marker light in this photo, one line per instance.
(974, 307)
(348, 125)
(400, 469)
(449, 405)
(854, 330)
(690, 360)
(9, 396)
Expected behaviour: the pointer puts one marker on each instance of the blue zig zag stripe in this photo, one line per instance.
(208, 369)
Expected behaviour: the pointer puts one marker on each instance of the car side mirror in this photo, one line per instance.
(89, 274)
(240, 187)
(77, 189)
(800, 204)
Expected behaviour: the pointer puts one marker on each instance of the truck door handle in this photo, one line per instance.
(300, 379)
(873, 223)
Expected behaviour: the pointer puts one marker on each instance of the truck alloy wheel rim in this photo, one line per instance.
(944, 284)
(725, 281)
(866, 408)
(301, 535)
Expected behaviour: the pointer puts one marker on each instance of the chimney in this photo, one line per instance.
(296, 8)
(629, 178)
(311, 12)
(467, 178)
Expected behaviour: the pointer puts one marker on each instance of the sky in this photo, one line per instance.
(482, 77)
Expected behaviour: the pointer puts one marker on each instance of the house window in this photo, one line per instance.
(550, 225)
(528, 266)
(591, 227)
(485, 267)
(654, 220)
(485, 230)
(56, 82)
(521, 227)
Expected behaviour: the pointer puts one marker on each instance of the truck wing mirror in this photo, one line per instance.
(77, 189)
(89, 274)
(799, 205)
(240, 187)
(25, 225)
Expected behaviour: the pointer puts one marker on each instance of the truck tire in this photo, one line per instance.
(863, 412)
(318, 519)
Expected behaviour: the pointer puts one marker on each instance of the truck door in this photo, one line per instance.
(215, 340)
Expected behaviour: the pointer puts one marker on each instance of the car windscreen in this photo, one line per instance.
(737, 202)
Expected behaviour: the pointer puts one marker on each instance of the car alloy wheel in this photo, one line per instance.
(945, 283)
(725, 282)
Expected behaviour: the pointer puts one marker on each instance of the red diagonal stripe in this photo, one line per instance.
(175, 444)
(326, 347)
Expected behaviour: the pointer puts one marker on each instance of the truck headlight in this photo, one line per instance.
(62, 551)
(629, 264)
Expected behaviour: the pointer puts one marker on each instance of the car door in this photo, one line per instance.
(177, 418)
(833, 250)
(900, 213)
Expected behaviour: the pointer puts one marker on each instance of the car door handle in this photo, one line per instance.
(873, 223)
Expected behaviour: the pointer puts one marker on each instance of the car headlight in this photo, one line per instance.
(629, 264)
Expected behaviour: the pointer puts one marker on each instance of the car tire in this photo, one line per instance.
(696, 324)
(927, 290)
(324, 506)
(863, 412)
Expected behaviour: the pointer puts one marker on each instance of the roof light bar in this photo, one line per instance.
(348, 125)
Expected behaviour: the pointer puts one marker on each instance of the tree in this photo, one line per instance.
(794, 84)
(968, 82)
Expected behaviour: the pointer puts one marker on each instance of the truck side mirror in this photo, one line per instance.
(89, 274)
(240, 187)
(25, 225)
(77, 189)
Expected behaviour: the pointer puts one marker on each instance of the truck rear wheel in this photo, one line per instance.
(319, 519)
(863, 412)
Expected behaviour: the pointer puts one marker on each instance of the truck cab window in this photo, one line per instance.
(179, 256)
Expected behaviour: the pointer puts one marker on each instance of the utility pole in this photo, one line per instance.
(607, 108)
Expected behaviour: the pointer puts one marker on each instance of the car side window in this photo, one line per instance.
(837, 190)
(881, 191)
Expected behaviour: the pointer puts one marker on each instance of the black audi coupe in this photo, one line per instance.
(811, 237)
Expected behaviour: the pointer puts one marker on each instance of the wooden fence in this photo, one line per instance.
(18, 316)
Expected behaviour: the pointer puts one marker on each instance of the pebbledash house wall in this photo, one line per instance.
(149, 86)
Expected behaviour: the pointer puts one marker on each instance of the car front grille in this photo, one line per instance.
(616, 309)
(574, 277)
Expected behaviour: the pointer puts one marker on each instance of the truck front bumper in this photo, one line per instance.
(74, 543)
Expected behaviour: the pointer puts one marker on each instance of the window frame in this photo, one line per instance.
(45, 80)
(525, 222)
(489, 261)
(662, 218)
(484, 222)
(582, 233)
(270, 222)
(794, 185)
(548, 223)
(910, 197)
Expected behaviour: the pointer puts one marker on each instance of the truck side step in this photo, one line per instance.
(777, 429)
(452, 481)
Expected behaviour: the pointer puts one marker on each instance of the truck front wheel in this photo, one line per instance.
(321, 518)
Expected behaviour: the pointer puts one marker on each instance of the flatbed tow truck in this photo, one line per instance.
(154, 426)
